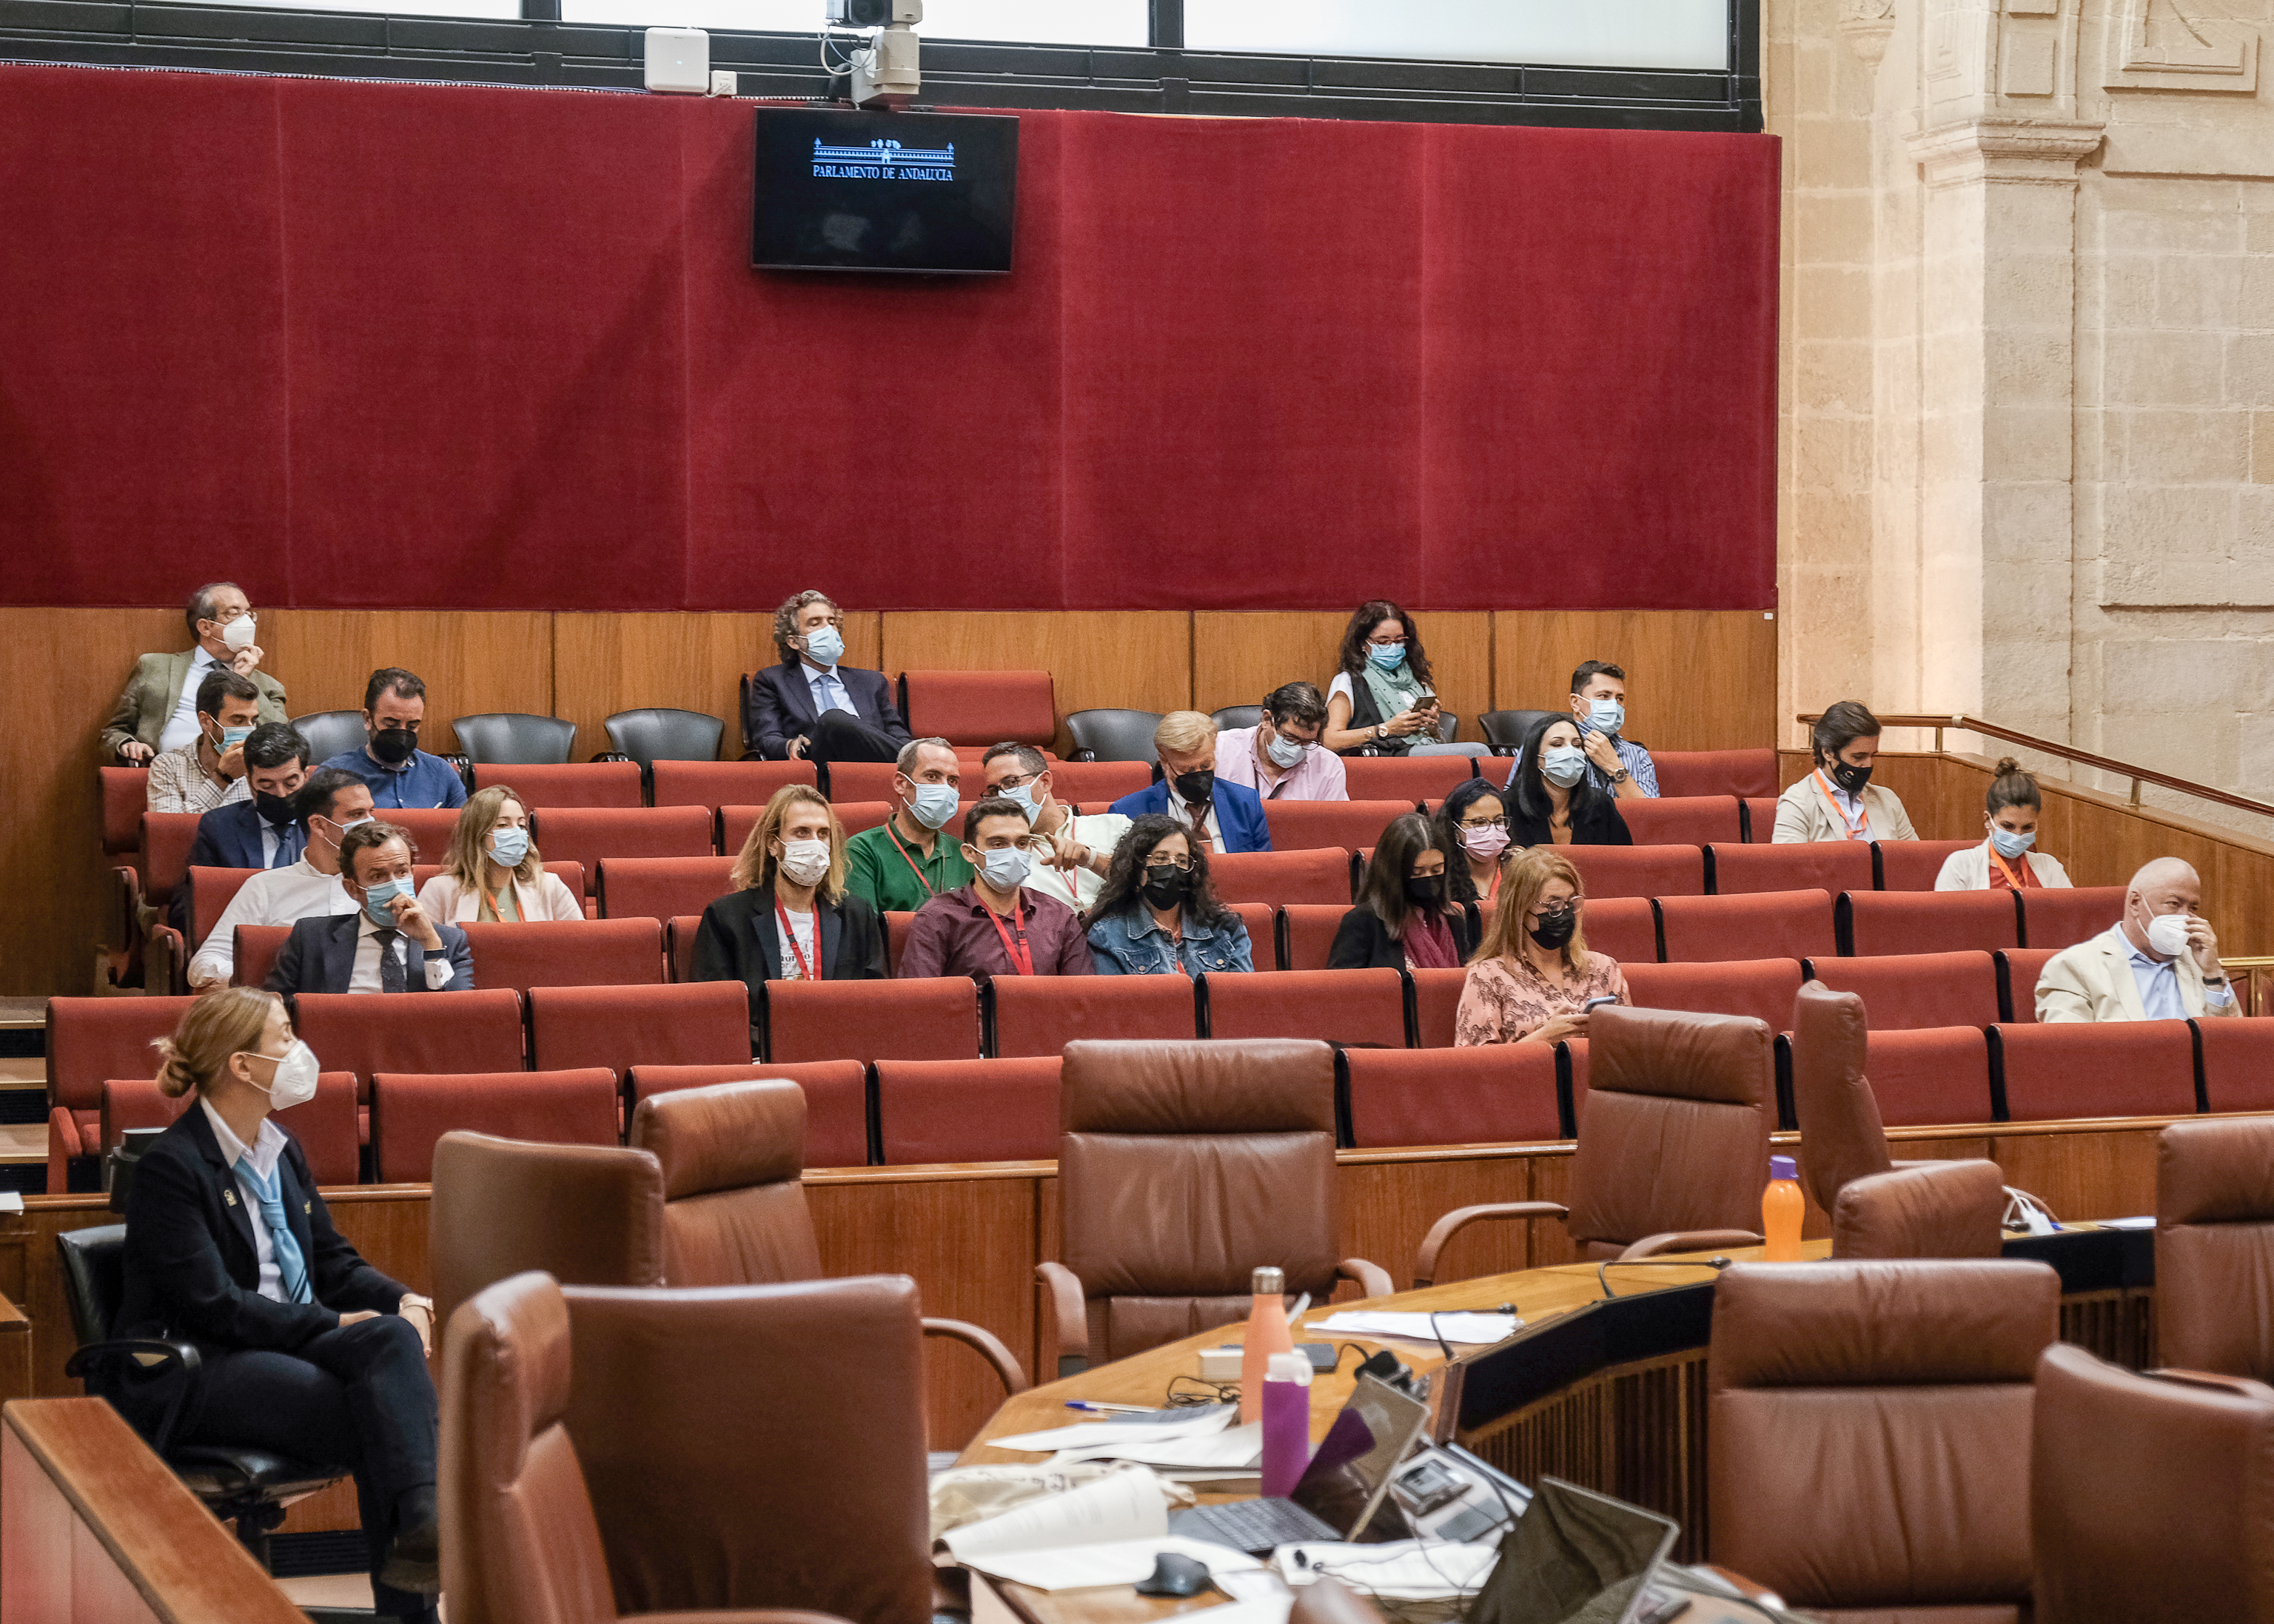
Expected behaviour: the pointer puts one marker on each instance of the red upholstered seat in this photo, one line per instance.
(567, 784)
(581, 953)
(2018, 970)
(1684, 820)
(897, 923)
(126, 798)
(981, 707)
(735, 823)
(325, 1126)
(1639, 870)
(697, 1023)
(852, 781)
(928, 1017)
(1307, 825)
(1500, 1093)
(1342, 1006)
(166, 837)
(1777, 924)
(253, 953)
(569, 874)
(1906, 990)
(1716, 772)
(364, 1034)
(836, 1099)
(2062, 916)
(2237, 1064)
(1829, 866)
(724, 783)
(1262, 922)
(89, 1041)
(1626, 928)
(1436, 1005)
(1760, 818)
(661, 887)
(1317, 876)
(430, 829)
(1926, 922)
(410, 1111)
(969, 1111)
(211, 891)
(679, 944)
(2132, 1068)
(1040, 1014)
(1311, 928)
(1096, 784)
(1914, 865)
(1761, 988)
(590, 834)
(1929, 1075)
(1410, 778)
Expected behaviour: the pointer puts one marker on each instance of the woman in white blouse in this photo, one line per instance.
(2005, 861)
(493, 872)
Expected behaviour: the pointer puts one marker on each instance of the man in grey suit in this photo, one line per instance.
(388, 944)
(158, 710)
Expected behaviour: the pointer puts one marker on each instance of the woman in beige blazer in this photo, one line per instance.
(1838, 801)
(493, 872)
(2006, 861)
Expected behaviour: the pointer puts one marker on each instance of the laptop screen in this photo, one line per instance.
(1344, 1482)
(1575, 1557)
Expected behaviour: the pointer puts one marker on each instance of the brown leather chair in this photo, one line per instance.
(1922, 1209)
(1330, 1601)
(733, 1160)
(2214, 1246)
(754, 1456)
(1869, 1426)
(1841, 1137)
(2150, 1497)
(592, 1214)
(1184, 1167)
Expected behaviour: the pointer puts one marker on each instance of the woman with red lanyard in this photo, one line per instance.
(789, 917)
(1472, 828)
(2004, 862)
(1838, 801)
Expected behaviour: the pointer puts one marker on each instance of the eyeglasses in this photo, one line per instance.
(1484, 823)
(1386, 643)
(1004, 786)
(1182, 865)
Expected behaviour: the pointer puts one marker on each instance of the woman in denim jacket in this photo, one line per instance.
(1159, 913)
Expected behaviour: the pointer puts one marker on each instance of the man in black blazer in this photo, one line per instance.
(809, 707)
(357, 952)
(263, 832)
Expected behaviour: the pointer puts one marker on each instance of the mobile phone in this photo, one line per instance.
(1592, 1004)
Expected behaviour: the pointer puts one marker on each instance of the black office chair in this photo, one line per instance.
(1237, 716)
(1505, 730)
(330, 733)
(245, 1487)
(515, 738)
(660, 733)
(1113, 735)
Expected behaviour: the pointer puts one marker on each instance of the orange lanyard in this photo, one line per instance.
(1858, 830)
(790, 936)
(893, 835)
(1021, 956)
(497, 907)
(2005, 869)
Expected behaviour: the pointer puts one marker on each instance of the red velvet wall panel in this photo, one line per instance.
(361, 344)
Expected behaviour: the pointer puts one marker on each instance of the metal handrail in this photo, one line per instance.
(2137, 774)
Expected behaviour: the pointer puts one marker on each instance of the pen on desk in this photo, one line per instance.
(1296, 1312)
(1117, 1409)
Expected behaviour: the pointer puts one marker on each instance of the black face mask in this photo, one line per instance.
(1849, 776)
(393, 746)
(275, 809)
(1165, 885)
(1197, 787)
(1556, 927)
(1425, 891)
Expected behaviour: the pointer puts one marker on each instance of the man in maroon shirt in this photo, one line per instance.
(994, 926)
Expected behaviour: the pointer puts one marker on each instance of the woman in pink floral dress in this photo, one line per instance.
(1533, 976)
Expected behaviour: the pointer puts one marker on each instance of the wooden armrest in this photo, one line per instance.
(1073, 1311)
(1372, 1280)
(990, 1346)
(1425, 1261)
(1688, 1240)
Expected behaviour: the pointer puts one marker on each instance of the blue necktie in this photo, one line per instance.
(291, 1268)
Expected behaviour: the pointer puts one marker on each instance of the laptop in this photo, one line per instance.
(1339, 1492)
(1578, 1557)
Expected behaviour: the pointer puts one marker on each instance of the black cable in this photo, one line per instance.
(1602, 1274)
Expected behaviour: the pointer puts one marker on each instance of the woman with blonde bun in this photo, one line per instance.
(304, 1348)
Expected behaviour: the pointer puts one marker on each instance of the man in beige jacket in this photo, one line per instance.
(2158, 962)
(1837, 800)
(158, 710)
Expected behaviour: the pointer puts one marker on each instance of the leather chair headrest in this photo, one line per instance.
(1680, 1054)
(1244, 1086)
(726, 1136)
(1881, 1324)
(507, 1349)
(1833, 1019)
(2215, 1172)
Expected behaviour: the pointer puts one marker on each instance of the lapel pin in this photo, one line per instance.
(229, 1196)
(308, 1206)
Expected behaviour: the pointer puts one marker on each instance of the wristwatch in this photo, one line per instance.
(410, 1300)
(1620, 776)
(1381, 730)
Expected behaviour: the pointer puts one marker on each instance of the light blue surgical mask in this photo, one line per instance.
(1605, 716)
(825, 645)
(934, 804)
(509, 846)
(376, 898)
(2010, 845)
(1007, 866)
(1561, 764)
(1023, 797)
(231, 737)
(1386, 657)
(1284, 753)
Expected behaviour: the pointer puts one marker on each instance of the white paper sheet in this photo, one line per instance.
(1402, 1569)
(1082, 1567)
(2147, 1223)
(1454, 1327)
(1123, 1505)
(1234, 1447)
(1270, 1603)
(1082, 1435)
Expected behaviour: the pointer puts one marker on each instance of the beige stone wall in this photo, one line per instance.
(2028, 438)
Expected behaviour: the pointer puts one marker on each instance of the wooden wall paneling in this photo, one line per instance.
(471, 661)
(606, 663)
(1551, 1181)
(2084, 1173)
(1098, 659)
(1237, 657)
(1697, 679)
(1389, 1201)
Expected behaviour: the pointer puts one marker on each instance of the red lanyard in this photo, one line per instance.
(893, 835)
(1860, 828)
(790, 936)
(1023, 957)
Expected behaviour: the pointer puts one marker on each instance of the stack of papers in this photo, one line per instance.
(1110, 1532)
(1454, 1327)
(1204, 1419)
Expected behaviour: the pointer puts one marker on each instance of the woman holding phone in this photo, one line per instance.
(1383, 701)
(1533, 980)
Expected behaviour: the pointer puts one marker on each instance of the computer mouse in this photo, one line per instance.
(1174, 1575)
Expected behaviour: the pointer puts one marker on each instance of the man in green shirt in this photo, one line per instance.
(903, 863)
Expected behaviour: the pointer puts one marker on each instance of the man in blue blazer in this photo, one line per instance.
(810, 707)
(388, 945)
(263, 832)
(1223, 816)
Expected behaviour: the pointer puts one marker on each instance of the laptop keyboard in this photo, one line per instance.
(1252, 1525)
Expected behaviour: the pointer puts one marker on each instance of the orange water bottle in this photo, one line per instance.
(1267, 1334)
(1781, 1210)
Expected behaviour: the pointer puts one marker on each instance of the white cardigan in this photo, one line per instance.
(444, 898)
(1969, 869)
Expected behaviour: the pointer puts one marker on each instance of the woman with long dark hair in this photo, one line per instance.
(1158, 914)
(1405, 919)
(1383, 699)
(1551, 801)
(1472, 828)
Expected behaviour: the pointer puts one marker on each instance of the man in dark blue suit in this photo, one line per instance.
(263, 832)
(388, 945)
(1223, 817)
(809, 707)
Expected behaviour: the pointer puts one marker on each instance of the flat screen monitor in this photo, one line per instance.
(884, 192)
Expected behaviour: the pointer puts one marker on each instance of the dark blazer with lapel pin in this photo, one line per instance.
(780, 706)
(229, 838)
(739, 940)
(319, 957)
(191, 1271)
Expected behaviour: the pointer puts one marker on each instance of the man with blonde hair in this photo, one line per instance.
(2158, 962)
(1227, 817)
